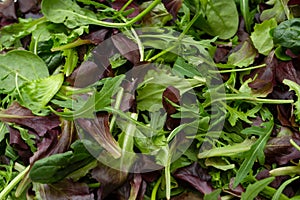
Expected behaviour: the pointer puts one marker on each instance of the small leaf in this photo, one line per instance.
(295, 87)
(282, 187)
(254, 189)
(36, 94)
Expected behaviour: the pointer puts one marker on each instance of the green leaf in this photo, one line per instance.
(221, 18)
(98, 101)
(279, 11)
(28, 138)
(295, 87)
(213, 195)
(3, 131)
(11, 35)
(17, 67)
(282, 187)
(155, 82)
(254, 189)
(261, 37)
(244, 56)
(36, 94)
(286, 34)
(256, 151)
(58, 166)
(67, 12)
(71, 61)
(229, 150)
(219, 163)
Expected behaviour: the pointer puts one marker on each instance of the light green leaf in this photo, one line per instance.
(71, 61)
(219, 164)
(36, 94)
(256, 151)
(3, 131)
(254, 189)
(18, 67)
(295, 87)
(244, 56)
(261, 37)
(221, 18)
(229, 150)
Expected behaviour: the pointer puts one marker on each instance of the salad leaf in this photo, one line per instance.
(26, 66)
(295, 87)
(279, 11)
(36, 94)
(261, 37)
(244, 56)
(286, 34)
(254, 189)
(221, 18)
(256, 150)
(60, 165)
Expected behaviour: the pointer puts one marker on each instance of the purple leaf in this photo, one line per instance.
(196, 177)
(171, 94)
(55, 141)
(279, 150)
(127, 48)
(173, 6)
(65, 190)
(27, 5)
(39, 124)
(7, 9)
(96, 37)
(118, 4)
(98, 128)
(286, 70)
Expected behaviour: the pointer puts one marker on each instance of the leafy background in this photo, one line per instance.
(61, 93)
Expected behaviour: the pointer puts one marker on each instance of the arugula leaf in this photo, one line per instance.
(26, 66)
(257, 149)
(36, 94)
(261, 37)
(282, 187)
(295, 87)
(254, 189)
(97, 101)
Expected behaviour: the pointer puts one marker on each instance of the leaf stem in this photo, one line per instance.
(295, 144)
(125, 6)
(13, 183)
(71, 45)
(282, 171)
(117, 106)
(155, 189)
(237, 70)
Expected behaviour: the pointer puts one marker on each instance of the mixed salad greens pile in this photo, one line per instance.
(161, 99)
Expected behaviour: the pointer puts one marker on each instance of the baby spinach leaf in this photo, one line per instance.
(286, 34)
(261, 37)
(256, 151)
(58, 166)
(17, 67)
(36, 94)
(221, 17)
(254, 189)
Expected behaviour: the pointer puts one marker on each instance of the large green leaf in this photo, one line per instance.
(261, 37)
(221, 18)
(17, 67)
